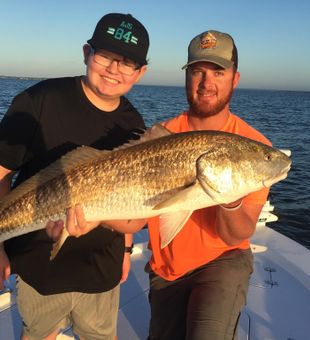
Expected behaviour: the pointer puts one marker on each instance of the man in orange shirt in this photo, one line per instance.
(199, 282)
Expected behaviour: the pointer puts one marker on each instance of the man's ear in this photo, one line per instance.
(141, 73)
(236, 79)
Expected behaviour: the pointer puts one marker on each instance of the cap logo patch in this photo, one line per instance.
(208, 41)
(122, 33)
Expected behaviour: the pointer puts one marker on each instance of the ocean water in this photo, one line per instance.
(282, 116)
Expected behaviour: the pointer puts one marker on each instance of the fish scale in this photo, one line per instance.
(161, 174)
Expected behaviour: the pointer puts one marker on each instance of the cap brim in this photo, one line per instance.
(118, 50)
(224, 63)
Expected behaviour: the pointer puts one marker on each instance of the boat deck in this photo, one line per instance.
(278, 301)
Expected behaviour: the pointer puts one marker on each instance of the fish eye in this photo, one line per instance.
(268, 157)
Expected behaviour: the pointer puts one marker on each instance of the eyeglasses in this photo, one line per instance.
(125, 67)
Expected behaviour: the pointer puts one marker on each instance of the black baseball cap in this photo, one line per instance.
(122, 34)
(213, 46)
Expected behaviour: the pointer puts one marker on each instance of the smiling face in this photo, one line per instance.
(209, 88)
(104, 85)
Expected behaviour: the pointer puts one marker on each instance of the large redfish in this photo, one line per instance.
(162, 174)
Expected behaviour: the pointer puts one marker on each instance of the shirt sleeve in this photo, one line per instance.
(17, 129)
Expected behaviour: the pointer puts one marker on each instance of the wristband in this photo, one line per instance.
(232, 208)
(129, 249)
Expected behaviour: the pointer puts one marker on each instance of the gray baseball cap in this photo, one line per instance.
(214, 47)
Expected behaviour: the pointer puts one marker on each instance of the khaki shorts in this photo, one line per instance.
(92, 316)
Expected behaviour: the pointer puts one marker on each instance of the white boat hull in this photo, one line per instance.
(278, 304)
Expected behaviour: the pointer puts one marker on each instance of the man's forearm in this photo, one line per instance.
(5, 181)
(6, 176)
(125, 226)
(128, 240)
(234, 226)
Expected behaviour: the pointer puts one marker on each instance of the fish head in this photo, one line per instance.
(234, 168)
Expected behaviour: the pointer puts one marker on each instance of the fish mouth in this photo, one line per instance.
(268, 182)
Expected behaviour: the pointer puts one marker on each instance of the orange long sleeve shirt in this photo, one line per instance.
(198, 242)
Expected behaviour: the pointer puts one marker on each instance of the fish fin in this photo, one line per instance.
(208, 178)
(217, 196)
(171, 224)
(58, 244)
(154, 132)
(209, 190)
(177, 199)
(72, 159)
(211, 182)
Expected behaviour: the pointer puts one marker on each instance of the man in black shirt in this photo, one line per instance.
(42, 123)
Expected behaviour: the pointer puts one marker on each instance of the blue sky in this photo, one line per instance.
(44, 38)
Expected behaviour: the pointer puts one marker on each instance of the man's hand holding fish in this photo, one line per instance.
(76, 224)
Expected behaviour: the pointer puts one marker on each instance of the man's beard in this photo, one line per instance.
(207, 110)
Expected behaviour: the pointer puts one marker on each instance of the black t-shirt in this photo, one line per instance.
(43, 123)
